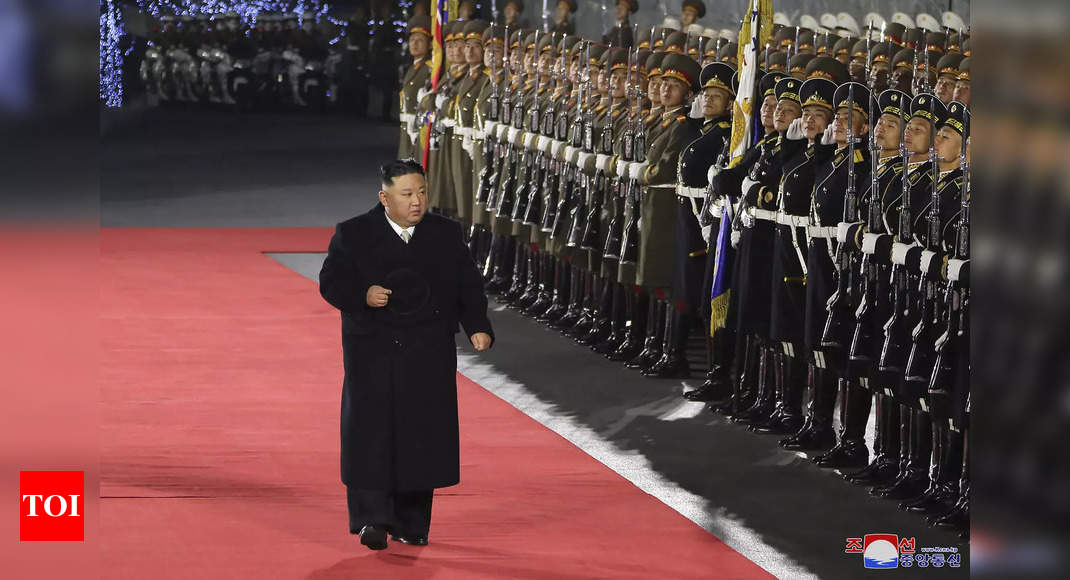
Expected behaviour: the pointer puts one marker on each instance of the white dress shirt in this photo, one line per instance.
(398, 229)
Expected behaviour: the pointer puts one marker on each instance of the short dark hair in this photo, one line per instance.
(397, 168)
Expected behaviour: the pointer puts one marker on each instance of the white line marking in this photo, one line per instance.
(636, 469)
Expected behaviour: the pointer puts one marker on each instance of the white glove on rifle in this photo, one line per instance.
(440, 100)
(637, 169)
(706, 231)
(736, 235)
(747, 184)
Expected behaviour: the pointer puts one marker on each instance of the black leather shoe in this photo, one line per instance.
(813, 440)
(410, 540)
(845, 455)
(709, 392)
(374, 537)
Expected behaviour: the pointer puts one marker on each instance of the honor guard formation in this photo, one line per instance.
(827, 267)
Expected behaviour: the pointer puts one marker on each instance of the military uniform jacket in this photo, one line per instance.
(658, 214)
(826, 211)
(461, 144)
(440, 179)
(415, 78)
(749, 310)
(692, 256)
(790, 245)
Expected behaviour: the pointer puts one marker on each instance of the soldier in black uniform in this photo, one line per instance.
(789, 279)
(927, 113)
(718, 92)
(756, 163)
(874, 309)
(836, 185)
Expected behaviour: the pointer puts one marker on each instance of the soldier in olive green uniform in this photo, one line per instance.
(485, 246)
(416, 76)
(679, 80)
(440, 180)
(463, 114)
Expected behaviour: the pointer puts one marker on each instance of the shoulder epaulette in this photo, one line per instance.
(858, 156)
(724, 125)
(681, 118)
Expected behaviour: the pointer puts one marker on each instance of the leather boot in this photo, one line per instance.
(575, 299)
(516, 287)
(618, 332)
(559, 300)
(636, 306)
(744, 377)
(959, 515)
(587, 315)
(885, 464)
(818, 434)
(531, 286)
(499, 266)
(765, 403)
(850, 451)
(603, 322)
(673, 362)
(942, 492)
(913, 477)
(654, 333)
(718, 383)
(545, 287)
(786, 417)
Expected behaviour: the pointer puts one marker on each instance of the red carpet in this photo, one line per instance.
(219, 442)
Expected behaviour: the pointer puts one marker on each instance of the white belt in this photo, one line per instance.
(692, 192)
(447, 122)
(762, 214)
(828, 233)
(543, 144)
(786, 219)
(408, 118)
(529, 140)
(462, 131)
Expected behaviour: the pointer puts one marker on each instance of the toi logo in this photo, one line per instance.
(51, 506)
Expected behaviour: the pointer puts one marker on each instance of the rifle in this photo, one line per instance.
(488, 176)
(505, 152)
(547, 203)
(920, 359)
(564, 213)
(891, 359)
(578, 214)
(629, 245)
(835, 324)
(615, 231)
(956, 296)
(593, 227)
(519, 161)
(529, 175)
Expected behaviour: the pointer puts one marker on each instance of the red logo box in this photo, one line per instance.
(51, 506)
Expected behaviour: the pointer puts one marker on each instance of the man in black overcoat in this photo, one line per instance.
(405, 283)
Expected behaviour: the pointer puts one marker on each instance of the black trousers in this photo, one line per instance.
(401, 512)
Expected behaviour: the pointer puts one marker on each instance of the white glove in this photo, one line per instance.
(926, 259)
(712, 172)
(869, 243)
(696, 106)
(826, 137)
(468, 145)
(637, 169)
(748, 219)
(558, 147)
(736, 235)
(899, 253)
(582, 162)
(602, 162)
(622, 167)
(843, 229)
(954, 268)
(747, 184)
(795, 130)
(439, 101)
(706, 231)
(420, 94)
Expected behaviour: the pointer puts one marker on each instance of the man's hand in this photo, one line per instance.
(377, 296)
(481, 341)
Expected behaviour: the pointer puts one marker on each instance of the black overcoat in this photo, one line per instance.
(399, 396)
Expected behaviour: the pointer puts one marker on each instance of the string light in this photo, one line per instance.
(248, 11)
